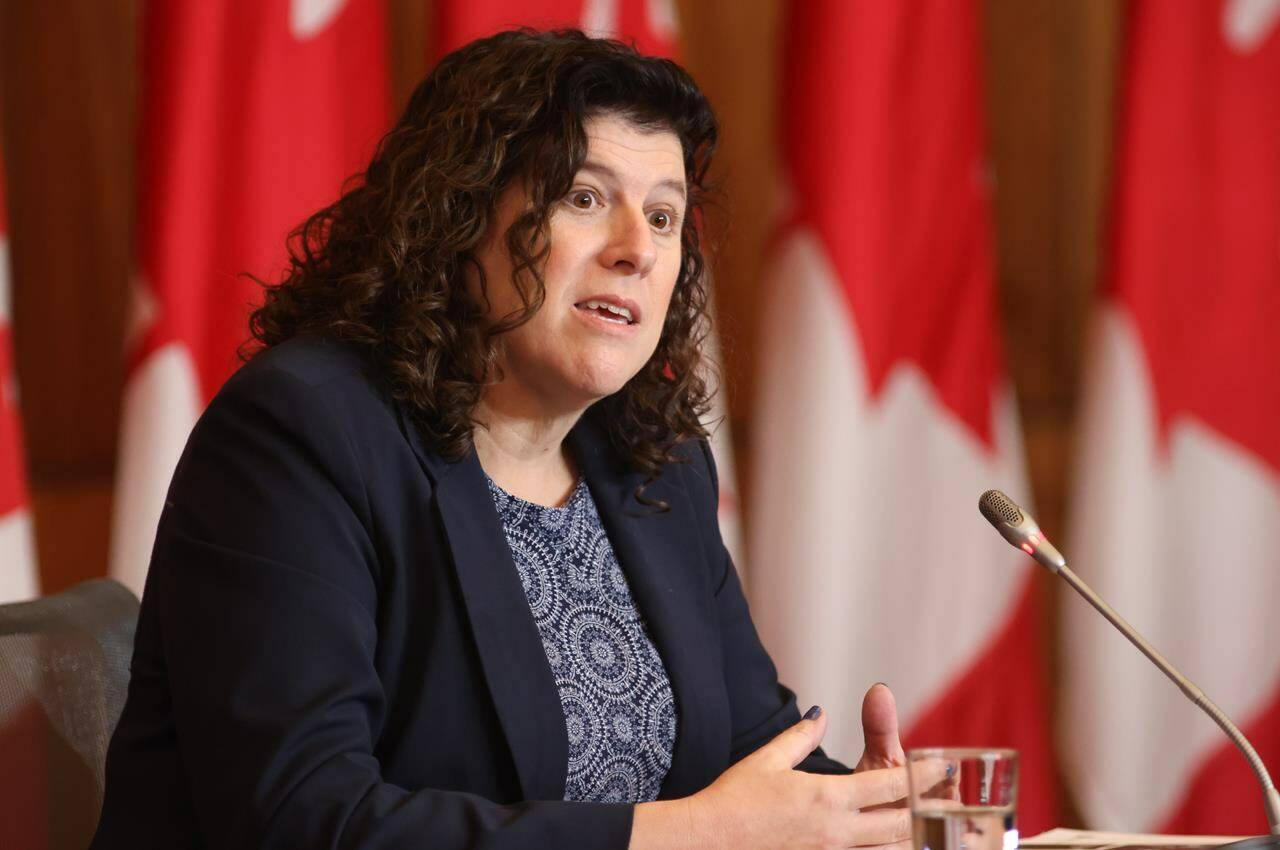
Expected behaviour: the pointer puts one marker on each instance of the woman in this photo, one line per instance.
(440, 564)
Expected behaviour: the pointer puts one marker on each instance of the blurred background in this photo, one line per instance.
(959, 244)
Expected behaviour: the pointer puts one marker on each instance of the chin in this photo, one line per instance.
(602, 374)
(594, 383)
(597, 390)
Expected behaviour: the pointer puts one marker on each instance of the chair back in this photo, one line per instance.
(64, 671)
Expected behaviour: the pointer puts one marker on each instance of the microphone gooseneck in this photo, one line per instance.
(1016, 526)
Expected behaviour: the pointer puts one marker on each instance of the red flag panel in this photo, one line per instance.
(13, 484)
(254, 112)
(651, 24)
(1197, 218)
(885, 142)
(884, 406)
(1178, 496)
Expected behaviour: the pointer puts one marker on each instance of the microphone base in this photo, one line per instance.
(1257, 842)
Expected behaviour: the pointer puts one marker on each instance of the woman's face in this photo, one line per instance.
(614, 259)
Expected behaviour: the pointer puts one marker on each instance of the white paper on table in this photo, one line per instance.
(1082, 838)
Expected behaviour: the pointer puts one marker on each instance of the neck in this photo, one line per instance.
(520, 444)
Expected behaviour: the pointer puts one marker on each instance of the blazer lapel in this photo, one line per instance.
(511, 653)
(660, 553)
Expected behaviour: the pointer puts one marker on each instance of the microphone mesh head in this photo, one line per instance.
(997, 507)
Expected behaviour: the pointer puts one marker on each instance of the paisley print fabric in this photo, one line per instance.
(619, 711)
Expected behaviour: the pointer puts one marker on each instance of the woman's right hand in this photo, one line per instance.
(762, 802)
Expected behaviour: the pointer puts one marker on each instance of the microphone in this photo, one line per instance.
(1017, 526)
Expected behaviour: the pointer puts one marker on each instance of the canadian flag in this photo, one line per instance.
(18, 579)
(1177, 501)
(652, 25)
(24, 788)
(883, 408)
(253, 114)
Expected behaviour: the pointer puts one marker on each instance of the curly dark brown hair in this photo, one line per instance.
(384, 267)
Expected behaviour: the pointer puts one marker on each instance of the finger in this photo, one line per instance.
(890, 784)
(937, 804)
(792, 746)
(900, 804)
(899, 845)
(887, 826)
(875, 787)
(882, 743)
(946, 786)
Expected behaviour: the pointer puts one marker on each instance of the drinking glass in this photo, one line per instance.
(963, 798)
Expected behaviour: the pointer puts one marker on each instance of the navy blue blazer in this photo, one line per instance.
(334, 647)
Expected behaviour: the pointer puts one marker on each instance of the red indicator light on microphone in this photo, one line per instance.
(1026, 547)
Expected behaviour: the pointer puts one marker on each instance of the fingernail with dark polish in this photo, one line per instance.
(951, 769)
(812, 714)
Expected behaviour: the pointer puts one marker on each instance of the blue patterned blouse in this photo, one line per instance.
(619, 710)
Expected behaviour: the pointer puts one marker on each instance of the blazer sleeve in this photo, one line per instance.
(760, 705)
(264, 579)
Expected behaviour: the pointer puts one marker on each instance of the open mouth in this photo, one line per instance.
(614, 313)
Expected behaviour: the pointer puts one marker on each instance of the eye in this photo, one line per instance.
(582, 199)
(662, 220)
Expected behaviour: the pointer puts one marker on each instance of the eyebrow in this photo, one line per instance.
(601, 168)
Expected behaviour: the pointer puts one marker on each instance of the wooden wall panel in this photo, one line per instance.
(1050, 74)
(732, 48)
(68, 82)
(1050, 79)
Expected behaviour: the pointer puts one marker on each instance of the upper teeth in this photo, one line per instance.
(612, 308)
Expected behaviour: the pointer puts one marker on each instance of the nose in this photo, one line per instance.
(630, 248)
